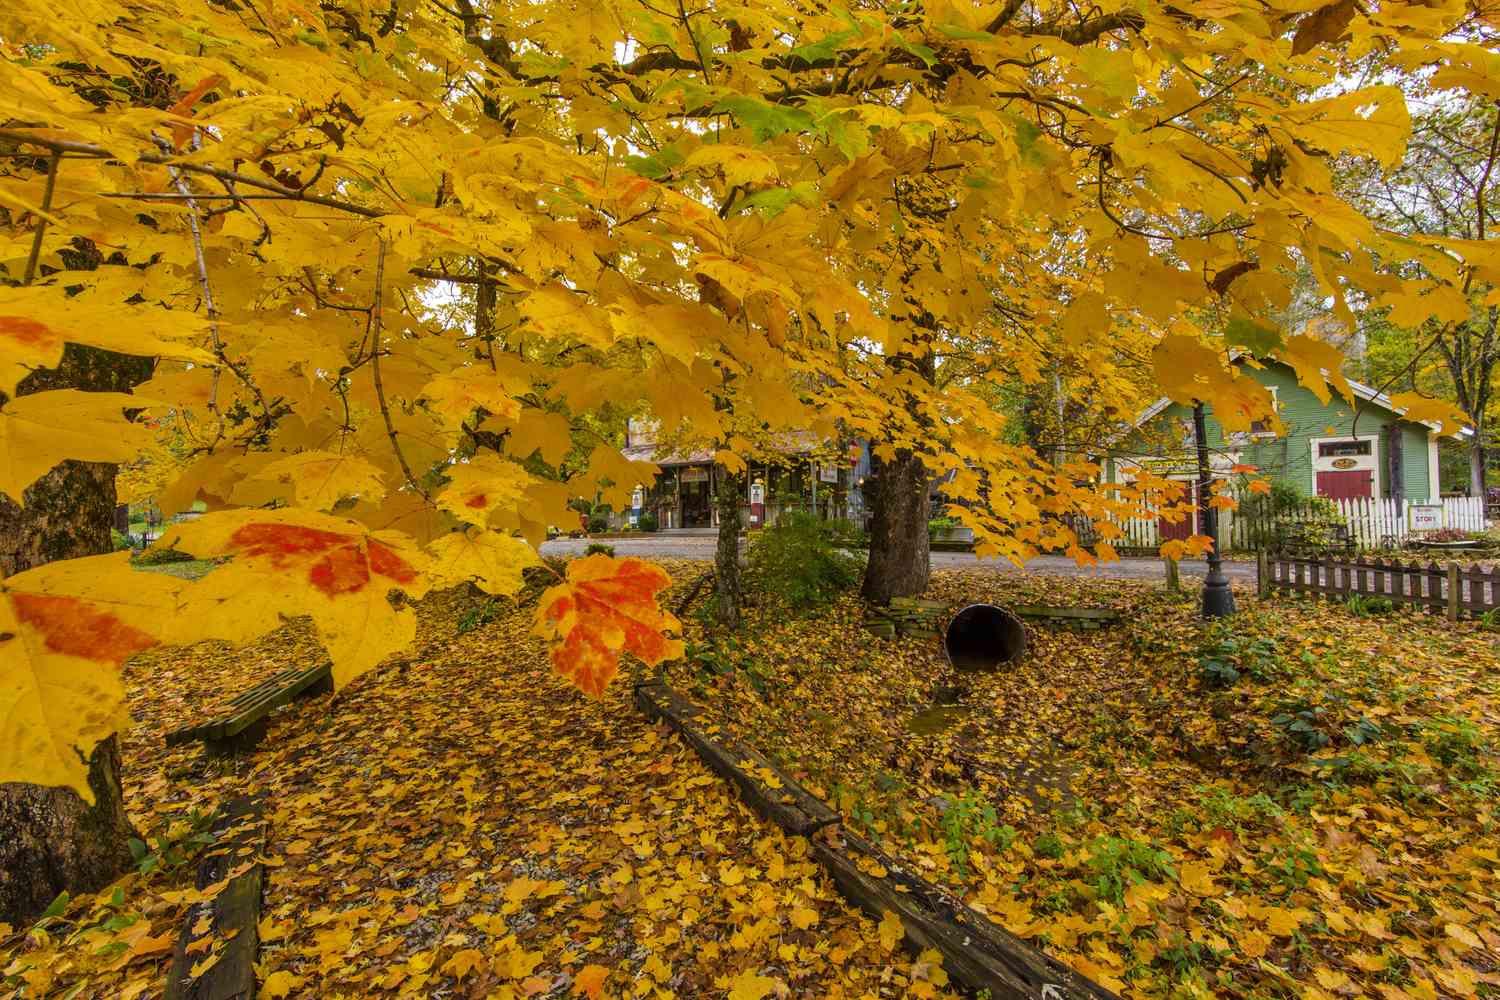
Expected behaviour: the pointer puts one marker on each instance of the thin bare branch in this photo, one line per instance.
(41, 223)
(375, 352)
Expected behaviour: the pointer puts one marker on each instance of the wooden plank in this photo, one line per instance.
(976, 952)
(233, 914)
(1049, 611)
(269, 684)
(791, 806)
(1478, 604)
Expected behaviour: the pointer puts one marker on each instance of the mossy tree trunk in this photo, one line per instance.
(899, 563)
(727, 555)
(899, 489)
(50, 839)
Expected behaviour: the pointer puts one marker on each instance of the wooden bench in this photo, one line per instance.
(244, 724)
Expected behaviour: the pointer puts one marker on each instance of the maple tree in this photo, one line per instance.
(1441, 189)
(280, 203)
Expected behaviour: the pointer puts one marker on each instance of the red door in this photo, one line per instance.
(1187, 526)
(1356, 484)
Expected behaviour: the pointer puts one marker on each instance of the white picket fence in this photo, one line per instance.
(1378, 523)
(1374, 524)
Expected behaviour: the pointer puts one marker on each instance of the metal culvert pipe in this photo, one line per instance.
(983, 637)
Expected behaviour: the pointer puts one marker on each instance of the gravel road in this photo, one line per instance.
(695, 546)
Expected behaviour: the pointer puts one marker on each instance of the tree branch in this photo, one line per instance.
(375, 351)
(41, 223)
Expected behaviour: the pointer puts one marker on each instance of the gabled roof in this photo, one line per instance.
(1365, 392)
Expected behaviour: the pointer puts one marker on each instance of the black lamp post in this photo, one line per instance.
(1218, 599)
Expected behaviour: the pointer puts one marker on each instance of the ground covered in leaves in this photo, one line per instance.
(1299, 802)
(461, 823)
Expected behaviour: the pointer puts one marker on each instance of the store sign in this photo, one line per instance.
(1424, 516)
(695, 474)
(828, 473)
(1344, 463)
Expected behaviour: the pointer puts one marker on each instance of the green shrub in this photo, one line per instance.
(1117, 863)
(161, 557)
(598, 523)
(476, 616)
(118, 540)
(799, 562)
(647, 521)
(1221, 663)
(1363, 606)
(848, 535)
(938, 525)
(599, 549)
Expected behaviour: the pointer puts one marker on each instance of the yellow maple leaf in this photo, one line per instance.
(36, 321)
(891, 930)
(590, 981)
(1281, 921)
(491, 560)
(1415, 406)
(750, 986)
(802, 917)
(455, 397)
(481, 486)
(300, 562)
(320, 479)
(65, 629)
(462, 963)
(39, 430)
(279, 984)
(1317, 363)
(1463, 935)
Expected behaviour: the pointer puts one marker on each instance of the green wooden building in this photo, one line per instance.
(1322, 451)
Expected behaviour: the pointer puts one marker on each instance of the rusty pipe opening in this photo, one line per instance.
(983, 637)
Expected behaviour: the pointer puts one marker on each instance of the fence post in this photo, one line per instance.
(1262, 574)
(1453, 592)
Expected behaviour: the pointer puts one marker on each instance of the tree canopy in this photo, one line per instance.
(394, 259)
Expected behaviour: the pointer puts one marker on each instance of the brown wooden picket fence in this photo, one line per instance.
(1453, 589)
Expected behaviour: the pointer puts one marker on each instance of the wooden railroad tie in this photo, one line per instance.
(224, 928)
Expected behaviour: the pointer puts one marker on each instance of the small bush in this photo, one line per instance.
(599, 549)
(161, 557)
(1362, 606)
(1452, 535)
(598, 523)
(938, 525)
(848, 535)
(1221, 663)
(647, 521)
(118, 540)
(799, 562)
(476, 616)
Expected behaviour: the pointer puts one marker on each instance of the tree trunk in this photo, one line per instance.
(1476, 464)
(727, 555)
(50, 839)
(899, 546)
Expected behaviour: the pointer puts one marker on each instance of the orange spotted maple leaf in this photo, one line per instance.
(604, 607)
